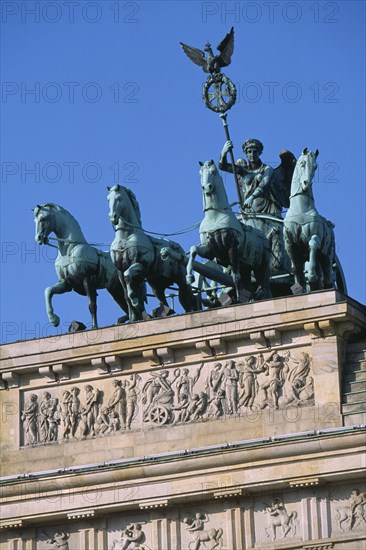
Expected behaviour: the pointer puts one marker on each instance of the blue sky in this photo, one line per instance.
(97, 93)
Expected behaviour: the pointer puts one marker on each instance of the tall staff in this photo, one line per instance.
(219, 92)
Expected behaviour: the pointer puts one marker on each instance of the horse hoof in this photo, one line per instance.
(190, 279)
(122, 320)
(55, 320)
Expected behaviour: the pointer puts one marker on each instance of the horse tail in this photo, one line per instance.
(131, 195)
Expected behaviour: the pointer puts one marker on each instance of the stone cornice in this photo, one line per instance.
(154, 342)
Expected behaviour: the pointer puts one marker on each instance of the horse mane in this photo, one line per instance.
(56, 206)
(135, 205)
(59, 209)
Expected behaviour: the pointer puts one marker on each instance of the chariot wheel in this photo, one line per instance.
(159, 415)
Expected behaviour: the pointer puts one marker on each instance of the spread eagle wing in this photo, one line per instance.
(226, 48)
(195, 55)
(282, 177)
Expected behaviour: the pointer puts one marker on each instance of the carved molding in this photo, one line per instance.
(11, 379)
(313, 329)
(114, 362)
(47, 373)
(229, 493)
(204, 348)
(258, 339)
(101, 365)
(81, 514)
(62, 371)
(166, 355)
(328, 327)
(320, 546)
(273, 336)
(305, 482)
(347, 328)
(149, 505)
(218, 345)
(11, 523)
(151, 356)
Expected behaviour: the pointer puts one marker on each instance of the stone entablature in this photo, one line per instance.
(328, 516)
(177, 386)
(261, 325)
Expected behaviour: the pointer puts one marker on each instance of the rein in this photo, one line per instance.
(180, 232)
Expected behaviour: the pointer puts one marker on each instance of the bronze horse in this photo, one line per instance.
(235, 245)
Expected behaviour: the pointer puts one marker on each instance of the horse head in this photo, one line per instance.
(116, 202)
(123, 205)
(43, 217)
(214, 194)
(209, 174)
(304, 171)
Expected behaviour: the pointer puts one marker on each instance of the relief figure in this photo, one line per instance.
(29, 418)
(214, 380)
(132, 537)
(248, 379)
(89, 411)
(276, 369)
(210, 538)
(65, 407)
(117, 403)
(278, 516)
(48, 423)
(352, 516)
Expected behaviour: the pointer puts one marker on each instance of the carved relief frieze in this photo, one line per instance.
(280, 521)
(59, 541)
(351, 514)
(133, 536)
(233, 520)
(167, 396)
(130, 533)
(203, 536)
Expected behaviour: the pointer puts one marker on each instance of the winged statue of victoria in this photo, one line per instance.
(212, 63)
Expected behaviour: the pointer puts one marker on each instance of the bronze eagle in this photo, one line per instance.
(212, 63)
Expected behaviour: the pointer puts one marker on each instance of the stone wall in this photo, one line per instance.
(235, 425)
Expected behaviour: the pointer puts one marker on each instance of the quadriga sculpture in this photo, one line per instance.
(79, 266)
(138, 256)
(243, 249)
(309, 238)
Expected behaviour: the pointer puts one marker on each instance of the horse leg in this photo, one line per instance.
(233, 255)
(134, 277)
(132, 314)
(326, 262)
(215, 537)
(261, 274)
(186, 296)
(202, 250)
(314, 245)
(159, 292)
(59, 288)
(192, 254)
(271, 528)
(91, 293)
(292, 249)
(118, 294)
